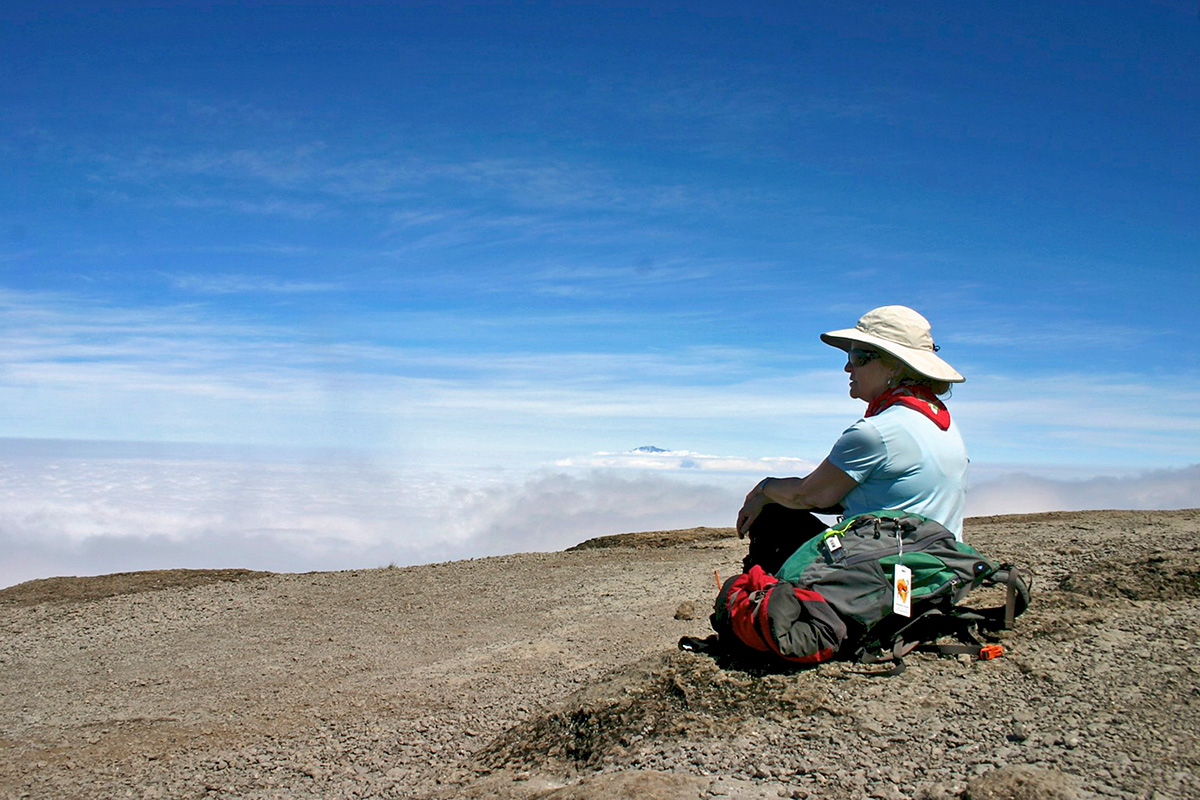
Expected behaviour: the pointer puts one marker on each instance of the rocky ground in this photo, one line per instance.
(557, 676)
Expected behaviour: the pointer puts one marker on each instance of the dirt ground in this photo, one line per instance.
(557, 676)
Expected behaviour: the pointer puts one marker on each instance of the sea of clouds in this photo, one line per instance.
(89, 513)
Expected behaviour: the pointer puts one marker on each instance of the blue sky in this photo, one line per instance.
(523, 239)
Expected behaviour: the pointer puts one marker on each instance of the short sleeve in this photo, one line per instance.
(859, 451)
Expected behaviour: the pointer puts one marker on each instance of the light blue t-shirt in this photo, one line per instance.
(903, 461)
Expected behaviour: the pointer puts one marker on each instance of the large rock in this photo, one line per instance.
(1021, 783)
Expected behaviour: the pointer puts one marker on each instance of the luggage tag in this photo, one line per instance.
(902, 591)
(833, 548)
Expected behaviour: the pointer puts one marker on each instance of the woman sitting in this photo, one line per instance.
(905, 454)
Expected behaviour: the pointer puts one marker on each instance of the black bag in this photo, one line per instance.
(776, 533)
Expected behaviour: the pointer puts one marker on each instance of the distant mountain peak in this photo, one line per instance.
(648, 448)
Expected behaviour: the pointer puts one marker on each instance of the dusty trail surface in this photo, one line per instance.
(557, 676)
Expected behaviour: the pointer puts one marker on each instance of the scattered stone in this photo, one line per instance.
(632, 785)
(1021, 783)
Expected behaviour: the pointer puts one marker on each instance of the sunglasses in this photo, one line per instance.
(860, 358)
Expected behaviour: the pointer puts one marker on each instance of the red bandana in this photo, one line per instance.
(917, 397)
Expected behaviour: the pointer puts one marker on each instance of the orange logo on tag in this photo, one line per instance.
(902, 590)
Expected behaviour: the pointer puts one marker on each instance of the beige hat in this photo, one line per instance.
(900, 332)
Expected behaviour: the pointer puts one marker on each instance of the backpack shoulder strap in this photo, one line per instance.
(1016, 600)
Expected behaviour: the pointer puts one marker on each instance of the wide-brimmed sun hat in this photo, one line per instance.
(900, 332)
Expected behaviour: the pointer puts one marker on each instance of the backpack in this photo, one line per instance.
(835, 596)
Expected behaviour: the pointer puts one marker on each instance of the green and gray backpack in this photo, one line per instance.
(836, 596)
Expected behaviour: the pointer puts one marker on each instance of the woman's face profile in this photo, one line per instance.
(869, 380)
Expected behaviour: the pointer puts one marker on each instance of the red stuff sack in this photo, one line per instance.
(773, 616)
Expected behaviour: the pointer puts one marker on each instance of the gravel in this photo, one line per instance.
(557, 676)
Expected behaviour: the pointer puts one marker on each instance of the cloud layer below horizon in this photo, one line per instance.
(96, 515)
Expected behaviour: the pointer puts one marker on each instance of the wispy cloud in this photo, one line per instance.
(17, 255)
(656, 459)
(281, 167)
(321, 169)
(92, 362)
(268, 206)
(254, 248)
(1032, 331)
(248, 284)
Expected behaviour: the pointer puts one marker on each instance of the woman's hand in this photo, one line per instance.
(751, 508)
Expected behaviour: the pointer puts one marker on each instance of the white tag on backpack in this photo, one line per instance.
(902, 591)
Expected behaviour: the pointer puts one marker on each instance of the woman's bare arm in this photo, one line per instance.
(824, 487)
